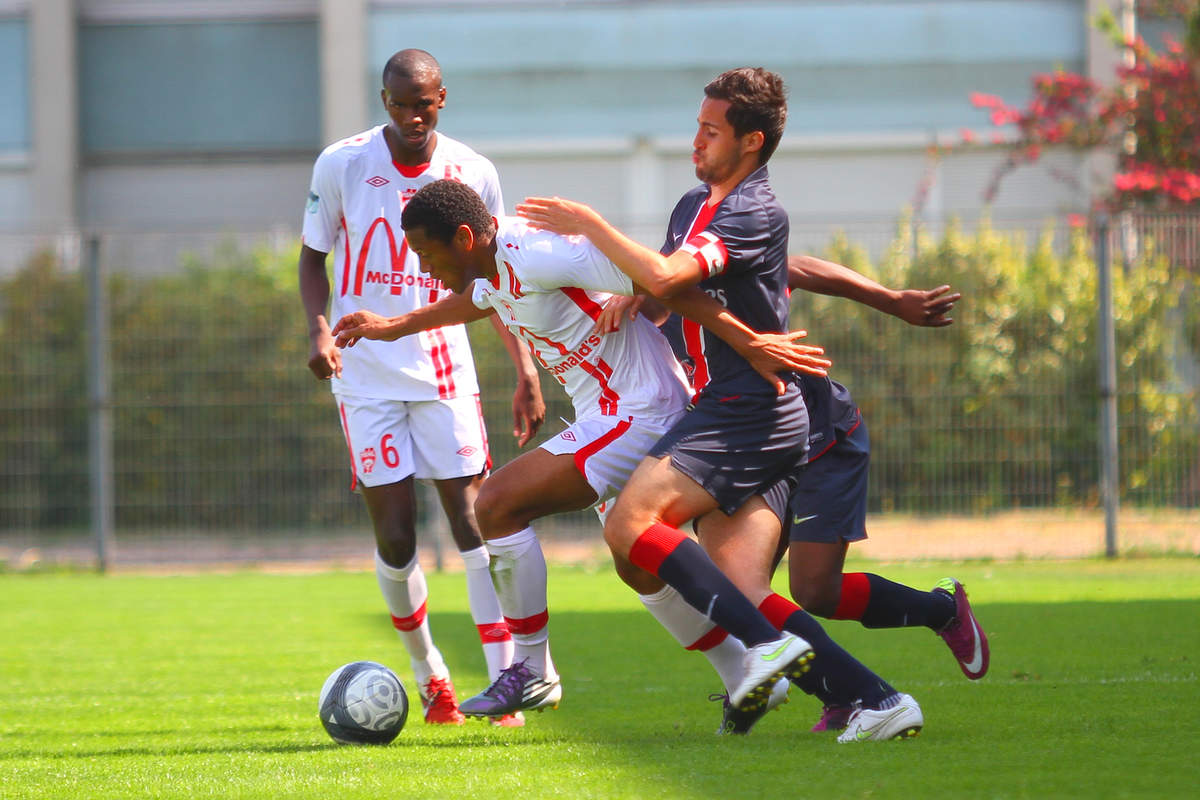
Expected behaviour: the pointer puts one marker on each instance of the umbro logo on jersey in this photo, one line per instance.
(378, 180)
(466, 451)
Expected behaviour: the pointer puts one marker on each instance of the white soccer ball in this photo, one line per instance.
(363, 703)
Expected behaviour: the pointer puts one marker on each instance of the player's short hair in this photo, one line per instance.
(412, 64)
(439, 208)
(757, 102)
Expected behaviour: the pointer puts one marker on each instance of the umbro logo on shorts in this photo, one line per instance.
(466, 451)
(568, 435)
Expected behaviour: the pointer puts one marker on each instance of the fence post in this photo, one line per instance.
(1106, 336)
(100, 474)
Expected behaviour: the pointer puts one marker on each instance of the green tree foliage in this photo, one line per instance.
(1001, 409)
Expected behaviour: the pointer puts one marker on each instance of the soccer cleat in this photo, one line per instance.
(786, 657)
(901, 721)
(441, 706)
(735, 721)
(516, 720)
(517, 688)
(963, 633)
(833, 718)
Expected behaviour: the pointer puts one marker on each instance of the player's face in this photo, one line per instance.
(412, 104)
(446, 262)
(717, 151)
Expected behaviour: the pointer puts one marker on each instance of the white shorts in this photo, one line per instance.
(607, 450)
(390, 440)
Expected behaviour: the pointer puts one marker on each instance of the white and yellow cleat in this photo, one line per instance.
(902, 719)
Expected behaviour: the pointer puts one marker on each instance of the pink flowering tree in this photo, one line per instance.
(1155, 106)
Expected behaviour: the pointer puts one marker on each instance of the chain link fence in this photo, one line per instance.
(155, 404)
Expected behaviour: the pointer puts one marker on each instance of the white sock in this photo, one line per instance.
(519, 575)
(406, 594)
(485, 611)
(695, 631)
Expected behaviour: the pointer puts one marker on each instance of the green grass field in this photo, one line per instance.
(205, 685)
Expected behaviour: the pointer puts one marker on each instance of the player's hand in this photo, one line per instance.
(618, 308)
(529, 411)
(927, 308)
(557, 215)
(773, 353)
(361, 325)
(324, 359)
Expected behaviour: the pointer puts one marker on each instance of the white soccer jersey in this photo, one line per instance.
(548, 291)
(353, 211)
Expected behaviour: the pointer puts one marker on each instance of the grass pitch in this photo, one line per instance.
(206, 686)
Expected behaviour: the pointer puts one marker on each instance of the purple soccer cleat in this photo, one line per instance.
(518, 688)
(963, 634)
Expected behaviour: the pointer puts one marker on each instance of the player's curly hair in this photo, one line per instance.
(757, 102)
(439, 208)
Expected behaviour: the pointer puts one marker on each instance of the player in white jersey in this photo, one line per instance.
(626, 388)
(409, 408)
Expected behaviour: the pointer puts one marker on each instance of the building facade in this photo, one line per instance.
(128, 116)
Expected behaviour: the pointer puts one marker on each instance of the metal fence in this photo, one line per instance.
(155, 404)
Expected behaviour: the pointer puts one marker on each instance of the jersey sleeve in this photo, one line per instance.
(493, 198)
(555, 262)
(478, 297)
(734, 240)
(323, 209)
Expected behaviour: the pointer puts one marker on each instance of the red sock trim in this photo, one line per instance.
(493, 632)
(654, 545)
(709, 640)
(528, 624)
(856, 593)
(777, 608)
(409, 623)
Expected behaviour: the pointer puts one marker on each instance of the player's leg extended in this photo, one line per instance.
(828, 511)
(529, 487)
(641, 528)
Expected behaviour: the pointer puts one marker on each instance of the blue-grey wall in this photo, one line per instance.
(616, 69)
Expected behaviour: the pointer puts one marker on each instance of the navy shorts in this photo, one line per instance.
(826, 500)
(737, 446)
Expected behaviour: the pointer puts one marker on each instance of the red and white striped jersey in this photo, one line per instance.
(353, 211)
(548, 291)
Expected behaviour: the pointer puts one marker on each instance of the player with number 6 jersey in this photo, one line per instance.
(358, 192)
(410, 409)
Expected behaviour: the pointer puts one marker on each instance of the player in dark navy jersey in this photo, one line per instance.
(730, 238)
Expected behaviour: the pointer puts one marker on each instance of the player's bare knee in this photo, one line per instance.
(497, 511)
(817, 600)
(635, 577)
(395, 551)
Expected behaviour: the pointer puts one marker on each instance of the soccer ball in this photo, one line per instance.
(363, 703)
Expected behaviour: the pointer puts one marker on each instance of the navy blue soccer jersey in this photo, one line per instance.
(742, 245)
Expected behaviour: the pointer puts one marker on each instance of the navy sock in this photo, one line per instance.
(682, 563)
(880, 603)
(836, 678)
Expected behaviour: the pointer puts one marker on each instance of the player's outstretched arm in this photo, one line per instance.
(450, 310)
(770, 354)
(923, 307)
(324, 359)
(661, 276)
(529, 409)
